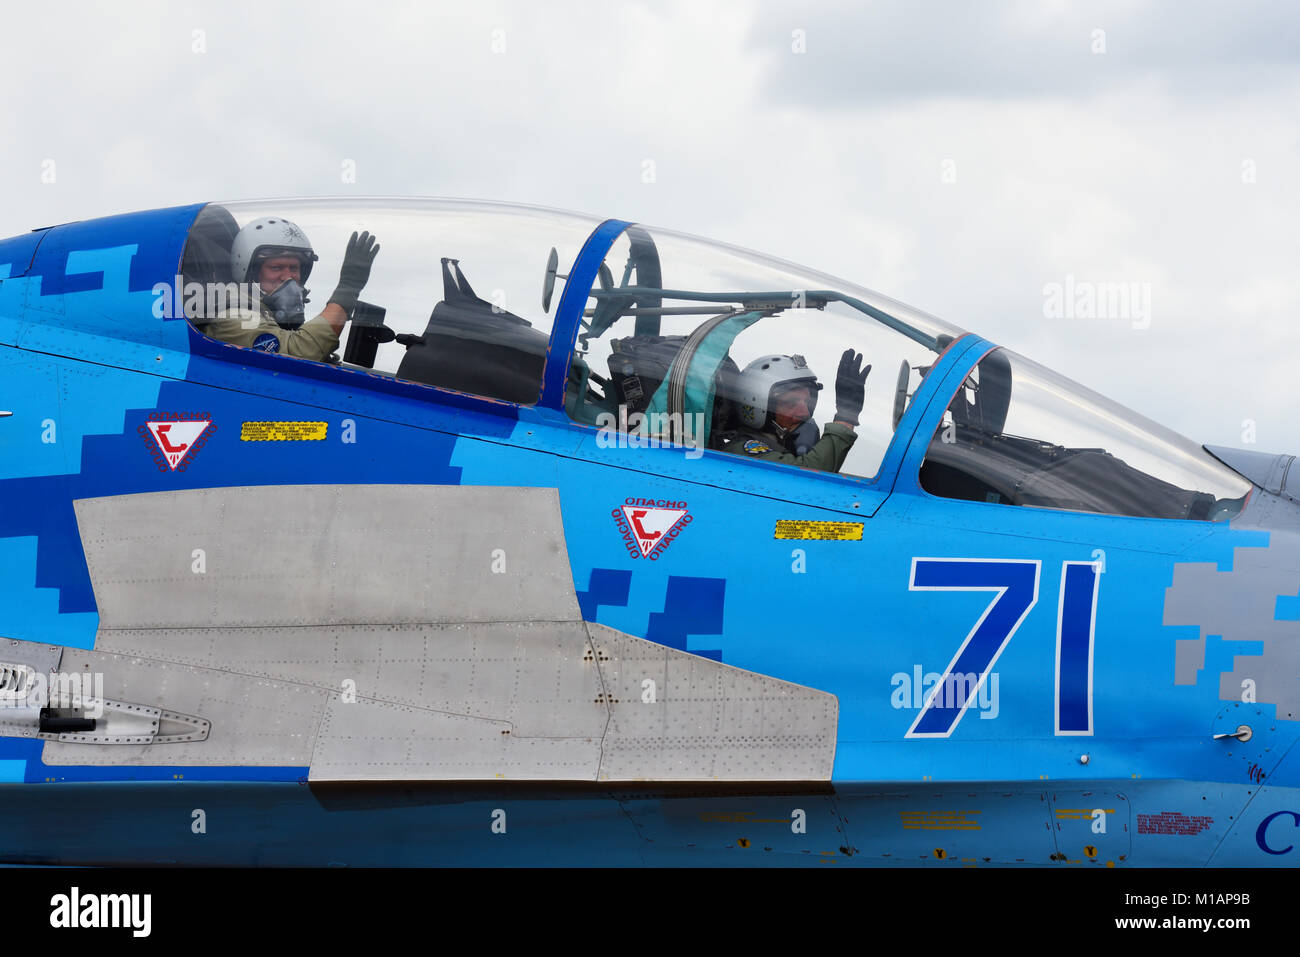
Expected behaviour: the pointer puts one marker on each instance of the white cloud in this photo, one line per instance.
(1122, 167)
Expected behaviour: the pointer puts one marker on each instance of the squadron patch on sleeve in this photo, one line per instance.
(755, 447)
(266, 343)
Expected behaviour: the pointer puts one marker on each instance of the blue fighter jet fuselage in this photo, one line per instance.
(423, 572)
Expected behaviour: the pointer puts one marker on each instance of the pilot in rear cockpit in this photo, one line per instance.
(775, 399)
(271, 258)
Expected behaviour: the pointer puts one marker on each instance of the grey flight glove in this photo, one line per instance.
(357, 260)
(850, 387)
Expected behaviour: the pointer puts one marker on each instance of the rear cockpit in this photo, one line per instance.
(417, 317)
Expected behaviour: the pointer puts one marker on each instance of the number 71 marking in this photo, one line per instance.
(1015, 582)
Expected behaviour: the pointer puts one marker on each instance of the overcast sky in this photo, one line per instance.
(958, 156)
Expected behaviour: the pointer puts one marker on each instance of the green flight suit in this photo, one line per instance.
(828, 454)
(315, 339)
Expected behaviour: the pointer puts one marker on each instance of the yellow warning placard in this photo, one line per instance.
(940, 820)
(283, 431)
(827, 531)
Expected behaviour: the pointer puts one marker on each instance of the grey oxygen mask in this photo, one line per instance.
(798, 440)
(802, 439)
(287, 305)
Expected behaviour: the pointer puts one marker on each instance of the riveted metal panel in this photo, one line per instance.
(706, 721)
(255, 722)
(374, 740)
(40, 657)
(532, 674)
(391, 661)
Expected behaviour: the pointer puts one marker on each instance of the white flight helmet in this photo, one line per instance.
(768, 374)
(267, 237)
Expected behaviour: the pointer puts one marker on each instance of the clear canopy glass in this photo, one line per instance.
(456, 284)
(690, 340)
(1019, 434)
(677, 326)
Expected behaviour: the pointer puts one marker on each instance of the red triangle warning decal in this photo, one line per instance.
(175, 439)
(649, 525)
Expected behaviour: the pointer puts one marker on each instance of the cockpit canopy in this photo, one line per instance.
(473, 297)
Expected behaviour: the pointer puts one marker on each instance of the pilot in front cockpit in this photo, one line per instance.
(775, 399)
(272, 258)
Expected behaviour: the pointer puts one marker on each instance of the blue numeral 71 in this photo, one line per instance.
(1015, 582)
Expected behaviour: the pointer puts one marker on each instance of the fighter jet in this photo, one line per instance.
(536, 537)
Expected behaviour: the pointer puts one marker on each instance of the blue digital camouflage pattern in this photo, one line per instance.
(1116, 766)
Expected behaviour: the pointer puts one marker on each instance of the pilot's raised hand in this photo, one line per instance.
(850, 387)
(357, 260)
